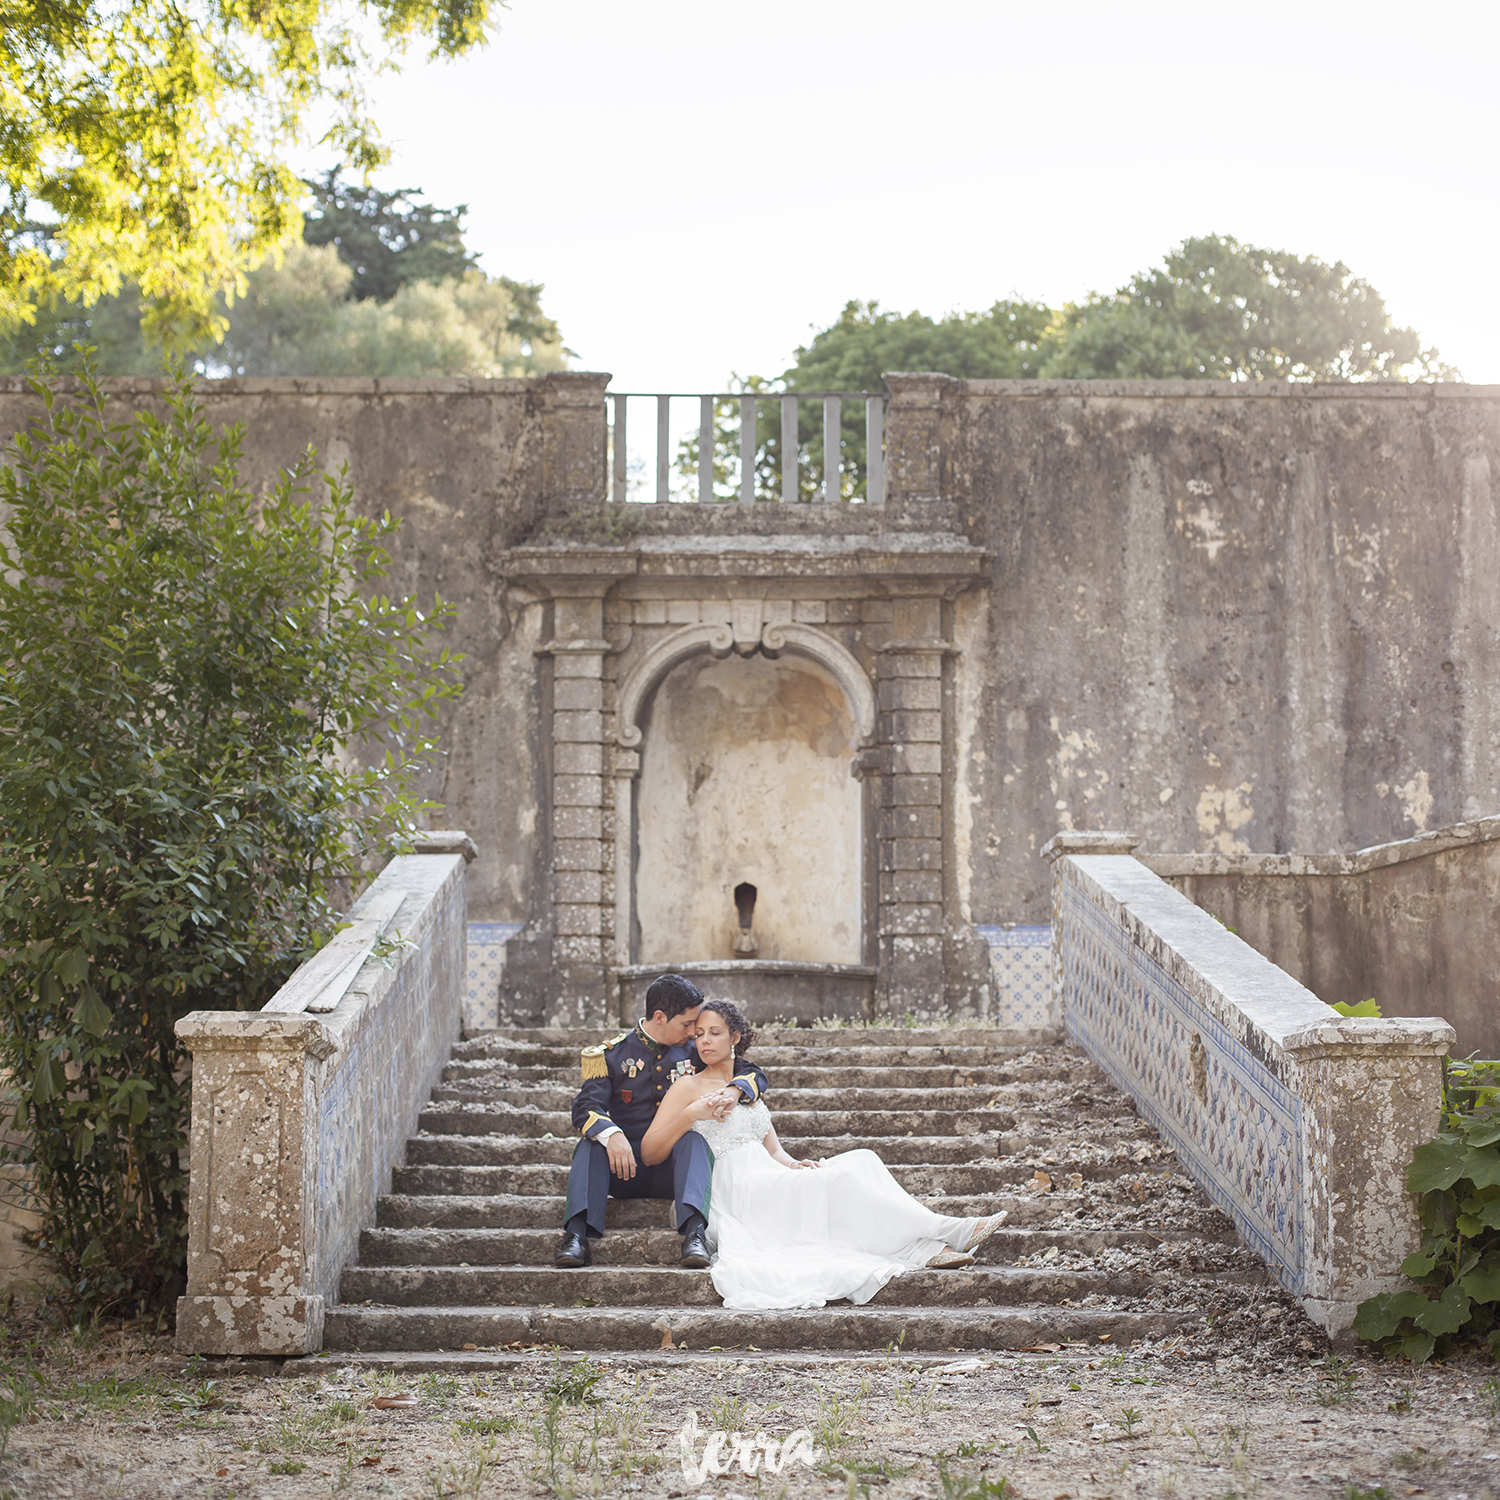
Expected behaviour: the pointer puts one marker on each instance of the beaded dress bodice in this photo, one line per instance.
(747, 1125)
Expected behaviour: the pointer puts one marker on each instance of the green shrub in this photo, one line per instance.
(1457, 1176)
(182, 667)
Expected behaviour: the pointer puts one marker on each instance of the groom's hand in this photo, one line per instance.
(621, 1157)
(721, 1101)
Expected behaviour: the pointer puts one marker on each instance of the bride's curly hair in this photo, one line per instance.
(735, 1020)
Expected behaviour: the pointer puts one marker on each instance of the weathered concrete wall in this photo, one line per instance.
(1236, 618)
(745, 778)
(1233, 618)
(1295, 1121)
(1414, 925)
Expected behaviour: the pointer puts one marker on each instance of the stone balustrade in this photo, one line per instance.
(1296, 1121)
(298, 1118)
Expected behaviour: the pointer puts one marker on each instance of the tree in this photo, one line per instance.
(147, 142)
(303, 314)
(387, 239)
(852, 354)
(188, 677)
(1220, 309)
(299, 319)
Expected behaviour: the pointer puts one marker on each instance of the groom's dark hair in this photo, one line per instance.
(671, 994)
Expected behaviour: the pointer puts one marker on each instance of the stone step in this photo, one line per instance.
(559, 1097)
(1055, 1209)
(499, 1150)
(840, 1076)
(872, 1328)
(660, 1245)
(920, 1180)
(672, 1286)
(805, 1036)
(989, 1062)
(503, 1121)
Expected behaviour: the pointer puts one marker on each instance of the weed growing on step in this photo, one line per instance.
(19, 1388)
(1128, 1419)
(441, 1390)
(958, 1485)
(1337, 1388)
(1489, 1394)
(840, 1419)
(729, 1413)
(573, 1385)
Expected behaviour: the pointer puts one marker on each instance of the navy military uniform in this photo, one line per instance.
(623, 1083)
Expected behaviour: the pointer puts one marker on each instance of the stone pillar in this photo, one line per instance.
(910, 729)
(574, 432)
(253, 1190)
(1371, 1091)
(914, 437)
(580, 853)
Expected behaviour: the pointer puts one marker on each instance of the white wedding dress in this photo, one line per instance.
(783, 1237)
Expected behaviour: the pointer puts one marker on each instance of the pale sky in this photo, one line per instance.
(700, 186)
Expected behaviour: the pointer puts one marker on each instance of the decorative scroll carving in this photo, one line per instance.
(720, 640)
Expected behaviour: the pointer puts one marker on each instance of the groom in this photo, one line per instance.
(623, 1082)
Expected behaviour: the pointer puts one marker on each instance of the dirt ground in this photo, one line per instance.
(1245, 1414)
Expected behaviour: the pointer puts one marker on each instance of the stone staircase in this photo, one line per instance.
(1106, 1240)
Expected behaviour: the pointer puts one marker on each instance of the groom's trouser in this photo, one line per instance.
(685, 1176)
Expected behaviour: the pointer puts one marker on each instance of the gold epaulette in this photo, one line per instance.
(594, 1065)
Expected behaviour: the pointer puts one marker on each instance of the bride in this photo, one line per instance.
(788, 1233)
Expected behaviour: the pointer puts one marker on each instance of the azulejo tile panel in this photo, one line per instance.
(486, 964)
(1021, 974)
(1235, 1127)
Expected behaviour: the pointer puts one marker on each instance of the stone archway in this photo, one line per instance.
(749, 823)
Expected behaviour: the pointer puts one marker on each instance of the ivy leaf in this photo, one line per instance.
(73, 967)
(92, 1013)
(1482, 1166)
(1417, 1347)
(1482, 1133)
(1365, 1008)
(1447, 1315)
(49, 991)
(1483, 1284)
(1418, 1265)
(1379, 1317)
(1436, 1164)
(48, 1083)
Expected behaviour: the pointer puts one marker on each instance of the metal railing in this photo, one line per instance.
(834, 465)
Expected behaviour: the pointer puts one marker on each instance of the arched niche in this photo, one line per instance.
(746, 780)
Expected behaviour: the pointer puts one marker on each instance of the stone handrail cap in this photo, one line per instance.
(1071, 841)
(445, 841)
(255, 1031)
(1427, 1035)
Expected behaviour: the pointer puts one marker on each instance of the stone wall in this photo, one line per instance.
(1296, 1122)
(1413, 925)
(1238, 618)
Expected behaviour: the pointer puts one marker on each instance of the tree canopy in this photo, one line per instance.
(387, 239)
(1213, 309)
(1219, 309)
(305, 313)
(146, 142)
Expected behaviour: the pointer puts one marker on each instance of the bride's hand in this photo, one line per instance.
(798, 1165)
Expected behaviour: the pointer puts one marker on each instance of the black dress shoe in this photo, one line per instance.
(694, 1250)
(574, 1251)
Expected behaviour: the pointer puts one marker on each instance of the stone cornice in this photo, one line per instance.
(926, 557)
